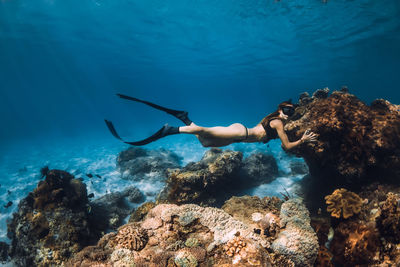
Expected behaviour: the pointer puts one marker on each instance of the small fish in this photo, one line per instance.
(98, 176)
(9, 204)
(90, 195)
(9, 192)
(89, 175)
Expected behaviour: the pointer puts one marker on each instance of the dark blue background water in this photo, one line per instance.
(61, 62)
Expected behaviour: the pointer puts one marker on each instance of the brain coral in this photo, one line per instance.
(131, 237)
(343, 202)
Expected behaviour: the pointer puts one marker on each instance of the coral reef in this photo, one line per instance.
(324, 258)
(52, 222)
(135, 163)
(371, 238)
(191, 235)
(141, 212)
(259, 214)
(355, 243)
(218, 171)
(343, 203)
(202, 182)
(235, 246)
(356, 143)
(389, 220)
(297, 240)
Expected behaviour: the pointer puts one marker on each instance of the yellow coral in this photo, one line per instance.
(343, 202)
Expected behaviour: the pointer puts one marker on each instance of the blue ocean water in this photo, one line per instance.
(61, 63)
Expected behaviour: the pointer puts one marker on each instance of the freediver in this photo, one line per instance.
(270, 127)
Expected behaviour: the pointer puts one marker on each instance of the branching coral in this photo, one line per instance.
(343, 202)
(131, 237)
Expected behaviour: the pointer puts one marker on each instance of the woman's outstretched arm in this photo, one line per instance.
(286, 144)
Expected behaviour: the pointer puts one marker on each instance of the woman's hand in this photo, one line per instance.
(309, 136)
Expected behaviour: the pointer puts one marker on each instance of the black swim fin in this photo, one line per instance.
(181, 115)
(164, 131)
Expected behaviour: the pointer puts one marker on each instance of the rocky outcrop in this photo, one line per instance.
(258, 168)
(52, 222)
(135, 163)
(141, 212)
(110, 210)
(217, 176)
(190, 235)
(356, 143)
(298, 168)
(205, 182)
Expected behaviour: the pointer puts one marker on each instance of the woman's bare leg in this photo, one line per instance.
(215, 136)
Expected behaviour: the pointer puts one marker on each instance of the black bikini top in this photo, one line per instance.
(271, 133)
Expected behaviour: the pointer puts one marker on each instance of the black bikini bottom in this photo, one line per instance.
(247, 135)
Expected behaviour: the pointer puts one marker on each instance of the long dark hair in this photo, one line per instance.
(275, 114)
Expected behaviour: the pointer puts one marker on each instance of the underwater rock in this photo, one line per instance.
(356, 143)
(135, 162)
(305, 98)
(298, 168)
(297, 239)
(258, 168)
(141, 211)
(51, 223)
(110, 210)
(4, 247)
(202, 182)
(321, 93)
(343, 203)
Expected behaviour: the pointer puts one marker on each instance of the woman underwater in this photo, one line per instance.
(271, 127)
